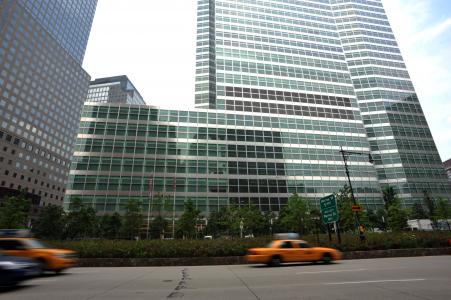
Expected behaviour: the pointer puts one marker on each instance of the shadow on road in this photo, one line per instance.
(10, 289)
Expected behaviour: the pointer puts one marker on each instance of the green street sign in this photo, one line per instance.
(329, 211)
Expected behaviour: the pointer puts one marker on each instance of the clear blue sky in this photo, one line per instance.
(153, 42)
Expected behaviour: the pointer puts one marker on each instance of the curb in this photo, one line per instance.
(239, 260)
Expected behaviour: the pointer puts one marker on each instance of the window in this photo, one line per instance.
(286, 245)
(11, 245)
(304, 245)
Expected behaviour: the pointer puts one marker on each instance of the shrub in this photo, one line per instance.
(238, 247)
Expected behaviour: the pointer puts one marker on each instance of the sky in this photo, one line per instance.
(153, 43)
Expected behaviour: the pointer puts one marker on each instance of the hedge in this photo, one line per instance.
(236, 247)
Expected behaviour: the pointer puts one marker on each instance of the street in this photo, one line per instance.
(392, 278)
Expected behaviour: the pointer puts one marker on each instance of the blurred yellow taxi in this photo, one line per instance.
(289, 250)
(48, 258)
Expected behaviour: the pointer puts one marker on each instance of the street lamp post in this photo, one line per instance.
(241, 228)
(345, 155)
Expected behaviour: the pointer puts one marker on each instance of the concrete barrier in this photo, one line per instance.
(237, 260)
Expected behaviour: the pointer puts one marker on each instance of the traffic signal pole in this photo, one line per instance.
(345, 160)
(345, 154)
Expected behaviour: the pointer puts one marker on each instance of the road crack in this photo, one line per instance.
(182, 284)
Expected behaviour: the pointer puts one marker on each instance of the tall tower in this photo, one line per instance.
(326, 60)
(282, 59)
(401, 143)
(42, 90)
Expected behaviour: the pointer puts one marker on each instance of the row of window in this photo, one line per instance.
(309, 87)
(286, 109)
(300, 6)
(277, 26)
(279, 59)
(286, 96)
(273, 33)
(279, 70)
(278, 49)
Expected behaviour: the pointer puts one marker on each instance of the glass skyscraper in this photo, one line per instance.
(281, 86)
(42, 90)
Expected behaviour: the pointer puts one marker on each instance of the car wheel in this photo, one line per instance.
(58, 271)
(275, 261)
(41, 265)
(327, 258)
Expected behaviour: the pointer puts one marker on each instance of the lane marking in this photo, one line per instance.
(375, 281)
(332, 271)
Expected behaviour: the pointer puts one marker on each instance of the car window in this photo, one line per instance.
(304, 245)
(11, 245)
(35, 244)
(286, 245)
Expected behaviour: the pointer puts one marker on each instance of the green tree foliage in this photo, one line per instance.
(444, 211)
(132, 219)
(378, 219)
(396, 216)
(418, 212)
(295, 216)
(430, 205)
(81, 221)
(389, 195)
(15, 212)
(109, 226)
(344, 202)
(50, 223)
(186, 225)
(218, 222)
(158, 227)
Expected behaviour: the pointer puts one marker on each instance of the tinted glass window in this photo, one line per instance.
(11, 245)
(286, 245)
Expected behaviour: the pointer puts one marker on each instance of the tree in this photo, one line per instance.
(218, 222)
(81, 221)
(389, 195)
(344, 202)
(15, 212)
(109, 226)
(377, 219)
(50, 223)
(158, 227)
(132, 219)
(254, 221)
(417, 211)
(186, 226)
(295, 216)
(396, 216)
(444, 211)
(430, 205)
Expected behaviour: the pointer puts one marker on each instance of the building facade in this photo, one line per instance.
(281, 87)
(447, 165)
(213, 157)
(252, 55)
(42, 90)
(117, 89)
(401, 143)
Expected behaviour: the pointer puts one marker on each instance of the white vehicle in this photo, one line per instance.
(420, 224)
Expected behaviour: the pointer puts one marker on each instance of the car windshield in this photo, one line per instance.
(270, 245)
(35, 244)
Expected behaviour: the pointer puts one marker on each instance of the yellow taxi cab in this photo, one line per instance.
(291, 250)
(48, 258)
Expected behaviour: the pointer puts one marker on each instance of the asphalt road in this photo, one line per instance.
(392, 278)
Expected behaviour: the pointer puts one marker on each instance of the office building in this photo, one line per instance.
(252, 55)
(117, 89)
(42, 89)
(447, 165)
(281, 87)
